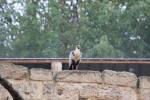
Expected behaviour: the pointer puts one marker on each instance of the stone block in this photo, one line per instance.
(4, 94)
(11, 71)
(40, 74)
(48, 91)
(22, 86)
(119, 78)
(144, 94)
(35, 89)
(79, 76)
(144, 82)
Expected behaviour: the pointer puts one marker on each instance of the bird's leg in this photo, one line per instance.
(74, 67)
(77, 65)
(70, 67)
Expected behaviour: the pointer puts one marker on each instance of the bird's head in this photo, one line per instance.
(78, 47)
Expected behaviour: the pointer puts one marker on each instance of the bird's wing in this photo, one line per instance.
(70, 58)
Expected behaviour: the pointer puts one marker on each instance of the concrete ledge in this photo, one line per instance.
(39, 74)
(11, 71)
(119, 78)
(79, 76)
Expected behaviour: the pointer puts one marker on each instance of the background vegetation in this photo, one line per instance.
(51, 28)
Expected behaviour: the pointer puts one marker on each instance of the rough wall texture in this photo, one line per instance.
(43, 84)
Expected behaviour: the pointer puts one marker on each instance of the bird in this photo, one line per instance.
(74, 58)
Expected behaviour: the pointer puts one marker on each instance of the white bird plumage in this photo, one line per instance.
(74, 58)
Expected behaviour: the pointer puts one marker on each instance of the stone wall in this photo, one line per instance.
(44, 84)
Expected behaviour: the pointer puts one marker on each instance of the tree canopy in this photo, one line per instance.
(51, 28)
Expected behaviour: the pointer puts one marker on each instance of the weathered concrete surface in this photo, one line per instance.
(11, 71)
(95, 91)
(144, 82)
(79, 76)
(144, 94)
(34, 90)
(119, 78)
(4, 95)
(144, 88)
(22, 86)
(44, 84)
(56, 66)
(39, 74)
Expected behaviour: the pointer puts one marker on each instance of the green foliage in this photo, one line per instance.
(104, 49)
(51, 28)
